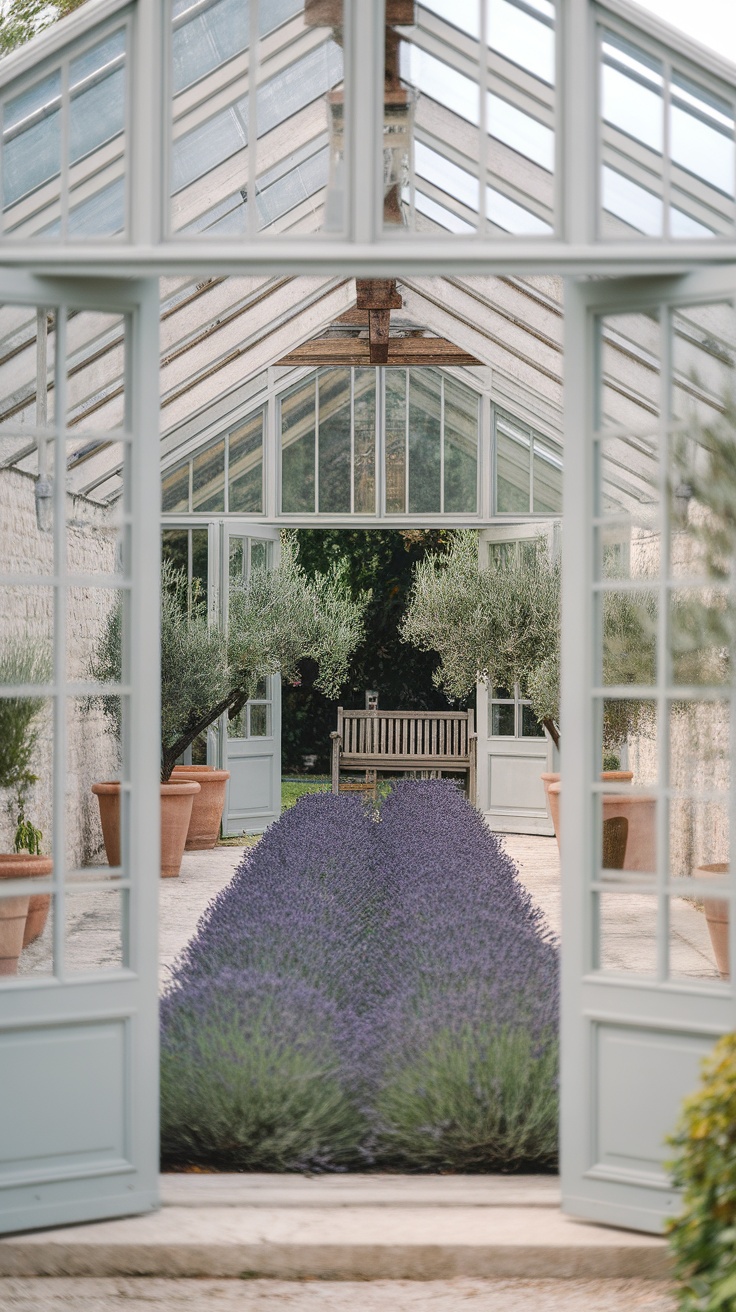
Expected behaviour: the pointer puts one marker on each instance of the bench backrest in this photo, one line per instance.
(406, 733)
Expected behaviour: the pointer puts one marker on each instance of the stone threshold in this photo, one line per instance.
(346, 1227)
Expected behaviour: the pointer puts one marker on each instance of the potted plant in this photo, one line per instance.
(22, 919)
(277, 618)
(501, 626)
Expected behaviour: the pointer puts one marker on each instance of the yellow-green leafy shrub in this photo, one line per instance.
(703, 1237)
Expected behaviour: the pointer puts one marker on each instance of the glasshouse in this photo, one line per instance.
(290, 268)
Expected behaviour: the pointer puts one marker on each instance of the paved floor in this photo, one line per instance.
(628, 928)
(147, 1295)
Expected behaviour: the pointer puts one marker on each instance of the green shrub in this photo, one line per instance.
(250, 1077)
(703, 1237)
(466, 1105)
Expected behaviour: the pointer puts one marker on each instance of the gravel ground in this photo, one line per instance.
(145, 1295)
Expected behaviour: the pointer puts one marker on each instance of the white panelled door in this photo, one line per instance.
(649, 561)
(79, 1040)
(250, 743)
(513, 749)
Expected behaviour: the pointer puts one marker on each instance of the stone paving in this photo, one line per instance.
(159, 1295)
(628, 933)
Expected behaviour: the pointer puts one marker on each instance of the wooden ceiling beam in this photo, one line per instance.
(401, 351)
(378, 326)
(377, 294)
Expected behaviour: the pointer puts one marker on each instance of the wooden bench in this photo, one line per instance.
(405, 740)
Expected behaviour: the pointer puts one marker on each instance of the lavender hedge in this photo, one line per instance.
(366, 990)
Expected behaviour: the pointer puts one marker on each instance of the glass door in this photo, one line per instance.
(649, 565)
(250, 740)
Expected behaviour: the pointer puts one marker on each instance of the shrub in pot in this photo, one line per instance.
(22, 919)
(276, 618)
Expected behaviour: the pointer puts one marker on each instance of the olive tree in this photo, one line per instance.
(501, 626)
(277, 617)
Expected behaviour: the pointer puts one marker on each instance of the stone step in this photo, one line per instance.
(343, 1228)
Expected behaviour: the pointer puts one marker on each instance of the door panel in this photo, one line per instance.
(79, 1028)
(648, 667)
(511, 761)
(250, 744)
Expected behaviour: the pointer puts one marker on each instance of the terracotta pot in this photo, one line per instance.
(208, 805)
(13, 915)
(716, 915)
(176, 812)
(553, 799)
(21, 865)
(639, 811)
(108, 797)
(177, 797)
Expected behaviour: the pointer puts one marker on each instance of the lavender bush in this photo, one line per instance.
(368, 989)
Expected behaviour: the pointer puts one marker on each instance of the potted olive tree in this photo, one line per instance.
(22, 919)
(277, 617)
(501, 626)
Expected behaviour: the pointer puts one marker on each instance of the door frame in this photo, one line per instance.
(601, 1011)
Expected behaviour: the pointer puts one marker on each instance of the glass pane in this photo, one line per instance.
(396, 440)
(31, 156)
(461, 448)
(208, 478)
(260, 555)
(274, 162)
(175, 547)
(334, 441)
(175, 490)
(91, 335)
(626, 825)
(237, 727)
(698, 935)
(447, 152)
(547, 478)
(530, 725)
(298, 449)
(701, 636)
(513, 468)
(425, 387)
(245, 467)
(627, 623)
(200, 556)
(238, 548)
(96, 930)
(630, 348)
(364, 420)
(503, 720)
(260, 720)
(627, 933)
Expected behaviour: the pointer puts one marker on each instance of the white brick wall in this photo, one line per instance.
(92, 751)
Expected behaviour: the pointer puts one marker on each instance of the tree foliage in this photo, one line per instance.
(22, 19)
(276, 618)
(501, 626)
(382, 561)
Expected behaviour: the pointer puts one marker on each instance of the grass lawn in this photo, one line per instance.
(291, 790)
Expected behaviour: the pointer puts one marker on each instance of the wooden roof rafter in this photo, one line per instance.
(370, 341)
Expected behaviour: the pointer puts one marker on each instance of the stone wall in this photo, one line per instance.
(92, 752)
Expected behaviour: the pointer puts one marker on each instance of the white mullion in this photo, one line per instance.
(663, 663)
(253, 44)
(58, 825)
(407, 395)
(442, 443)
(65, 162)
(580, 119)
(316, 442)
(666, 158)
(352, 440)
(483, 89)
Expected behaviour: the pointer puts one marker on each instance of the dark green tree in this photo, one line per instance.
(381, 560)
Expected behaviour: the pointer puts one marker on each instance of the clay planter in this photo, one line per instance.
(13, 915)
(108, 797)
(553, 798)
(639, 811)
(208, 805)
(716, 915)
(177, 797)
(21, 865)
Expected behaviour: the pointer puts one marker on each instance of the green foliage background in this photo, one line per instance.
(22, 19)
(703, 1237)
(381, 560)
